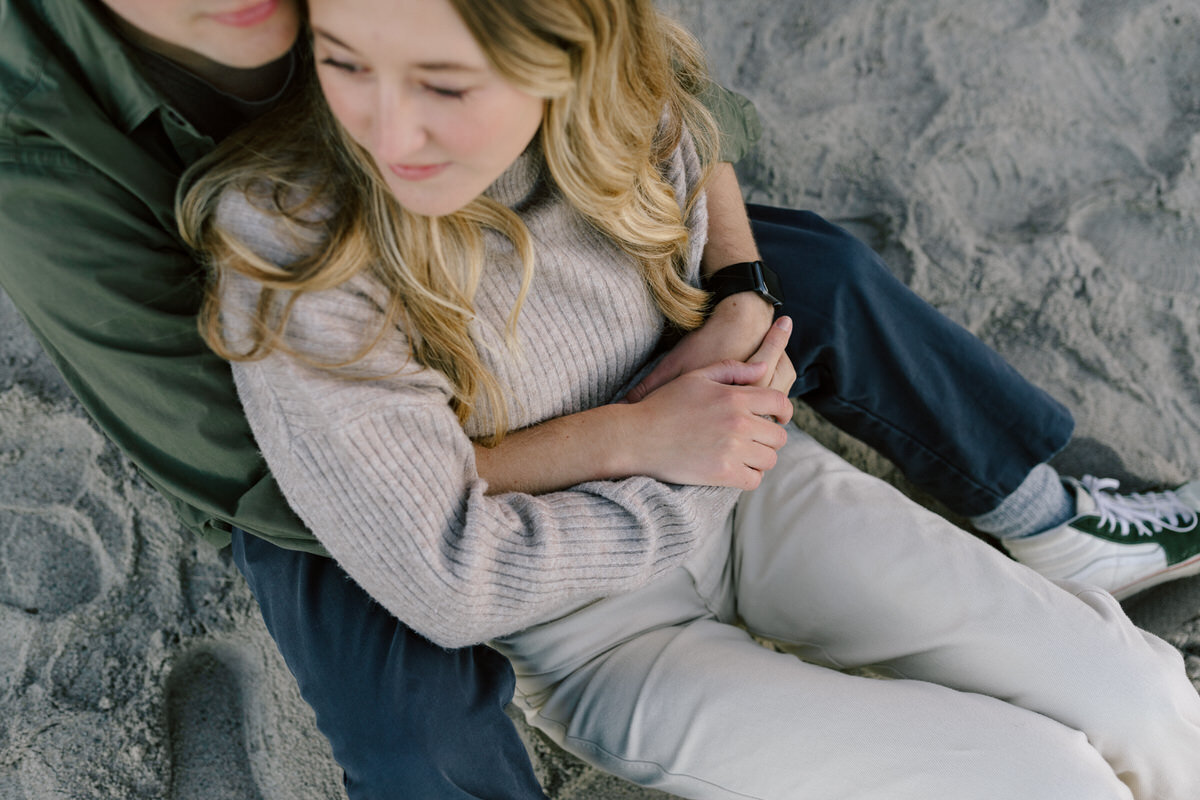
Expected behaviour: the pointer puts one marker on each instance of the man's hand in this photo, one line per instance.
(781, 373)
(734, 331)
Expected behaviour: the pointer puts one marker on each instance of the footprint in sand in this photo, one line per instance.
(52, 559)
(207, 729)
(44, 567)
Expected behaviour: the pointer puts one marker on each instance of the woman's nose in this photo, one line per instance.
(400, 129)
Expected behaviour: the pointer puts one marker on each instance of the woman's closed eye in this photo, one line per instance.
(343, 66)
(445, 91)
(351, 68)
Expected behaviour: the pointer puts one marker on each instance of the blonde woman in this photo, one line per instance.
(489, 214)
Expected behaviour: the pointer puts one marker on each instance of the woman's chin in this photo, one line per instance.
(428, 199)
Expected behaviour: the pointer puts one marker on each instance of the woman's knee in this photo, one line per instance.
(1059, 766)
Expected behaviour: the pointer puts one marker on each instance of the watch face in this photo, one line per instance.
(766, 284)
(774, 289)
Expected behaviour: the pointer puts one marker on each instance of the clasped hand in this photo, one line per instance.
(711, 414)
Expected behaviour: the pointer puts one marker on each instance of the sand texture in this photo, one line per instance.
(1032, 167)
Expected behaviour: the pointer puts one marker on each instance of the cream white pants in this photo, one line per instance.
(1003, 685)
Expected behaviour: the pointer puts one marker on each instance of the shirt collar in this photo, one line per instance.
(108, 71)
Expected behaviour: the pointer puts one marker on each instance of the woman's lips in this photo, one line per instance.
(248, 16)
(417, 172)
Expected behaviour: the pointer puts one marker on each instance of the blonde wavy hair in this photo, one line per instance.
(620, 83)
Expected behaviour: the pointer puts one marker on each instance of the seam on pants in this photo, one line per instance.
(591, 746)
(834, 664)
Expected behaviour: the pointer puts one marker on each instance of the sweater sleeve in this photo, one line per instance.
(384, 475)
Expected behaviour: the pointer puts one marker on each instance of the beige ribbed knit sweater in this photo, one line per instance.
(384, 474)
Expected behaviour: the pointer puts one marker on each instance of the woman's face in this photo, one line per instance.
(411, 86)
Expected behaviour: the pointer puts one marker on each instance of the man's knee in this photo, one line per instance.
(817, 261)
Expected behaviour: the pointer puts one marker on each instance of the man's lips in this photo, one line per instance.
(248, 16)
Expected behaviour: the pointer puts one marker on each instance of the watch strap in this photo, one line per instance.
(747, 276)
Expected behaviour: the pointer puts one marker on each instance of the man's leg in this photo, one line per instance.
(406, 718)
(889, 369)
(963, 425)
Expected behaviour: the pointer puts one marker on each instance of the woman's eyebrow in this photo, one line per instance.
(333, 39)
(448, 66)
(431, 66)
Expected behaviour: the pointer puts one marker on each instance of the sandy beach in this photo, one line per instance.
(1031, 167)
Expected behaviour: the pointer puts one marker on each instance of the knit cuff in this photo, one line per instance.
(1038, 504)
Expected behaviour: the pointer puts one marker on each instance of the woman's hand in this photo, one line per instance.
(718, 425)
(713, 426)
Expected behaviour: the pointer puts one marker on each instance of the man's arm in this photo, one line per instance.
(112, 298)
(596, 444)
(739, 321)
(730, 240)
(737, 325)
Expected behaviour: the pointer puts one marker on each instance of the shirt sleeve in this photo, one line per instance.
(379, 467)
(112, 297)
(736, 118)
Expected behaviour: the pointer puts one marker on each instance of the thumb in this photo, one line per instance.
(774, 342)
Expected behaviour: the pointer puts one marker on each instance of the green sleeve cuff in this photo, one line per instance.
(736, 119)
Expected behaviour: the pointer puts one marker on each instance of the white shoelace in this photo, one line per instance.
(1146, 513)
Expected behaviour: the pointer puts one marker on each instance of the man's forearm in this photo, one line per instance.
(730, 239)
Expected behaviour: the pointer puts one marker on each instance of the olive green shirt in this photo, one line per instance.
(90, 155)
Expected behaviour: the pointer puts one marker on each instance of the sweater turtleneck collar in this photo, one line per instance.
(516, 185)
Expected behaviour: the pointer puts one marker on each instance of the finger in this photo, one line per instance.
(774, 343)
(784, 377)
(750, 479)
(761, 459)
(774, 404)
(661, 375)
(735, 373)
(771, 435)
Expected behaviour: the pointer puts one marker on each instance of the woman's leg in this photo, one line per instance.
(652, 687)
(702, 711)
(1011, 687)
(845, 571)
(406, 718)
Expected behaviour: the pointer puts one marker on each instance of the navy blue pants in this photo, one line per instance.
(408, 719)
(884, 366)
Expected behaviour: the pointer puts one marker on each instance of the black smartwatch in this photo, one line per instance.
(749, 276)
